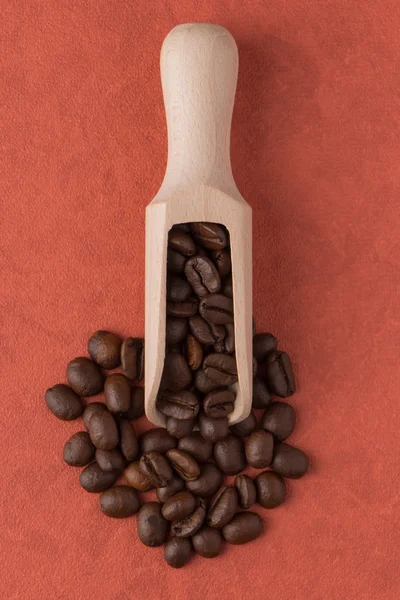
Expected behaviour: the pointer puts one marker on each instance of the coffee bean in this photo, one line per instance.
(227, 344)
(221, 368)
(63, 402)
(181, 242)
(255, 367)
(79, 450)
(279, 374)
(213, 429)
(222, 261)
(179, 428)
(194, 352)
(132, 358)
(259, 447)
(207, 542)
(152, 528)
(110, 460)
(229, 455)
(90, 409)
(128, 442)
(244, 527)
(136, 407)
(227, 287)
(202, 275)
(180, 405)
(120, 502)
(103, 430)
(209, 235)
(208, 482)
(181, 227)
(175, 262)
(117, 393)
(203, 383)
(94, 480)
(217, 309)
(104, 348)
(84, 376)
(184, 464)
(219, 403)
(271, 489)
(177, 374)
(178, 289)
(245, 427)
(289, 461)
(179, 506)
(246, 490)
(279, 419)
(175, 485)
(223, 507)
(196, 446)
(156, 440)
(187, 527)
(206, 333)
(263, 343)
(183, 309)
(261, 395)
(156, 468)
(176, 330)
(177, 552)
(136, 478)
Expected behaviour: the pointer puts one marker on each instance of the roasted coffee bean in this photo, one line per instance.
(202, 275)
(227, 287)
(255, 367)
(63, 402)
(259, 447)
(132, 358)
(90, 409)
(222, 260)
(175, 262)
(117, 393)
(245, 427)
(279, 374)
(187, 527)
(243, 528)
(221, 368)
(263, 343)
(207, 542)
(179, 428)
(184, 464)
(84, 376)
(136, 407)
(229, 455)
(181, 242)
(177, 552)
(194, 352)
(180, 405)
(206, 333)
(219, 403)
(136, 478)
(128, 442)
(176, 330)
(177, 374)
(223, 507)
(103, 430)
(181, 227)
(196, 446)
(156, 440)
(175, 485)
(203, 383)
(79, 450)
(104, 348)
(208, 482)
(213, 429)
(217, 309)
(246, 490)
(209, 235)
(152, 528)
(261, 395)
(179, 506)
(110, 460)
(156, 468)
(289, 461)
(227, 344)
(271, 489)
(279, 419)
(120, 502)
(94, 480)
(178, 289)
(183, 309)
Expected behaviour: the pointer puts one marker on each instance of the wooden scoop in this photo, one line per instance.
(199, 65)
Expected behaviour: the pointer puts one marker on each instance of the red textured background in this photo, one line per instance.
(315, 150)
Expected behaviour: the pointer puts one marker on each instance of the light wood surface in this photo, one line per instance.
(199, 64)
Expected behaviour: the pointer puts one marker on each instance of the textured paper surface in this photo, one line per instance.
(315, 150)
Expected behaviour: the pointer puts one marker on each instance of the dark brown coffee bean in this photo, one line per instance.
(221, 368)
(104, 348)
(183, 309)
(279, 419)
(261, 395)
(84, 376)
(245, 427)
(209, 235)
(203, 383)
(271, 489)
(156, 440)
(120, 502)
(259, 447)
(208, 482)
(136, 407)
(263, 343)
(219, 403)
(179, 428)
(136, 478)
(184, 464)
(206, 333)
(279, 374)
(103, 430)
(222, 261)
(181, 242)
(90, 409)
(227, 287)
(223, 507)
(181, 227)
(132, 358)
(289, 461)
(128, 442)
(156, 468)
(110, 460)
(63, 402)
(227, 344)
(176, 330)
(94, 480)
(179, 506)
(152, 528)
(207, 542)
(178, 289)
(117, 393)
(202, 275)
(175, 262)
(246, 490)
(217, 309)
(255, 367)
(175, 485)
(244, 527)
(196, 446)
(180, 405)
(229, 455)
(177, 552)
(187, 527)
(79, 450)
(213, 429)
(177, 374)
(194, 352)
